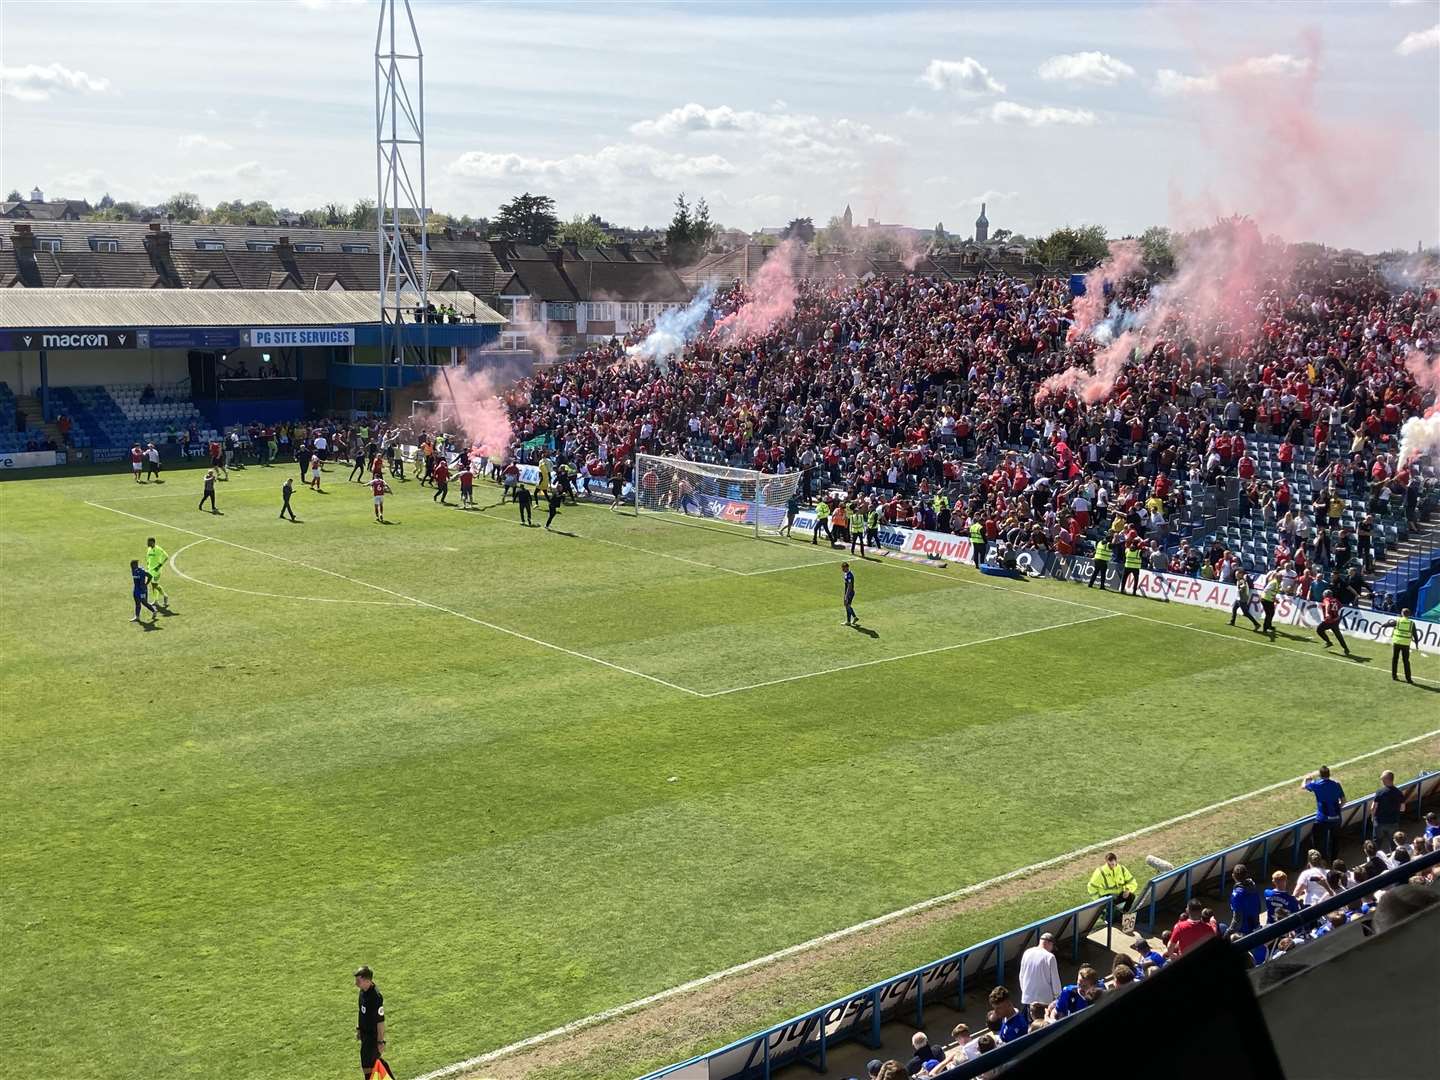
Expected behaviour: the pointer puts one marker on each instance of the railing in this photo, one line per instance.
(808, 1038)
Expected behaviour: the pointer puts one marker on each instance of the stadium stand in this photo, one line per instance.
(919, 397)
(966, 985)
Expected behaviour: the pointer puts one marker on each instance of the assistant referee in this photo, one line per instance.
(370, 1028)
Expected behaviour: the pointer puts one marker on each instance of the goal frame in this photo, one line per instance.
(721, 473)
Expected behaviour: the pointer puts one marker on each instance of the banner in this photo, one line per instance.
(33, 459)
(294, 336)
(187, 338)
(68, 340)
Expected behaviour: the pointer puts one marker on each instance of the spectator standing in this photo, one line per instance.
(1329, 800)
(1013, 1022)
(1385, 810)
(1040, 972)
(1245, 901)
(1279, 901)
(1313, 884)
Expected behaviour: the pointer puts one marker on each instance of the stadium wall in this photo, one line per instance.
(94, 368)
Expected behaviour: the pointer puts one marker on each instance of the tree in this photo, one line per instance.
(1001, 234)
(1158, 245)
(702, 229)
(183, 206)
(1083, 247)
(582, 232)
(835, 236)
(688, 234)
(14, 196)
(526, 219)
(105, 203)
(800, 228)
(361, 215)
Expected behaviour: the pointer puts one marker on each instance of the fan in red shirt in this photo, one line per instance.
(380, 489)
(441, 476)
(1330, 621)
(1191, 930)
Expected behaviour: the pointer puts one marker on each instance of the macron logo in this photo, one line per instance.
(74, 341)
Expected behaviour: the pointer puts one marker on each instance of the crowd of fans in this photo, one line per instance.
(1044, 998)
(922, 398)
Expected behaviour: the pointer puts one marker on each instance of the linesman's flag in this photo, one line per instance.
(382, 1071)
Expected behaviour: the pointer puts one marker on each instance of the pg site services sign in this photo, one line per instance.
(301, 337)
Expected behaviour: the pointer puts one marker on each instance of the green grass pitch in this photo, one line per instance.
(530, 776)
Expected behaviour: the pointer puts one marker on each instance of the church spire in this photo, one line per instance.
(982, 226)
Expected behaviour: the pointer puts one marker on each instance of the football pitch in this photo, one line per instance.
(529, 776)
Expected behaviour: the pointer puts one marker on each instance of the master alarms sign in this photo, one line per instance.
(301, 336)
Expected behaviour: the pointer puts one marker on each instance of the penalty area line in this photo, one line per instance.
(175, 565)
(907, 656)
(703, 981)
(402, 596)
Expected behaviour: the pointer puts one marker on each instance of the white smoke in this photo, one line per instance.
(672, 330)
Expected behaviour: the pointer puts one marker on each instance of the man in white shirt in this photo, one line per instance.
(1039, 973)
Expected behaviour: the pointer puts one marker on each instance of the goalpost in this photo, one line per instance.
(742, 497)
(442, 410)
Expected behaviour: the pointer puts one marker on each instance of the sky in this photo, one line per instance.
(1321, 120)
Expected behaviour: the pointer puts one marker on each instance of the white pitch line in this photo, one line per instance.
(414, 600)
(907, 656)
(880, 920)
(175, 565)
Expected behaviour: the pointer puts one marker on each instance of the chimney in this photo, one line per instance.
(283, 248)
(23, 238)
(154, 226)
(624, 250)
(558, 256)
(162, 240)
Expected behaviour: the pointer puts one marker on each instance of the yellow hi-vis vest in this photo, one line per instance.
(977, 533)
(1272, 589)
(1132, 558)
(1102, 551)
(1404, 631)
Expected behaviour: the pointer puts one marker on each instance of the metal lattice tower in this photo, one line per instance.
(399, 161)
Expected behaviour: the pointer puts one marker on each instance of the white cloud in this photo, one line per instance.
(990, 196)
(198, 142)
(694, 118)
(613, 165)
(967, 76)
(250, 176)
(261, 120)
(1274, 64)
(913, 113)
(1171, 83)
(1011, 112)
(1096, 68)
(1419, 41)
(37, 82)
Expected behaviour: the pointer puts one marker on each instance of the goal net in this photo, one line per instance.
(740, 497)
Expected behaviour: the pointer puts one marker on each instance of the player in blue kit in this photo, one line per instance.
(140, 590)
(850, 617)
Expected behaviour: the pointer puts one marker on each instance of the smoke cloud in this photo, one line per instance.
(474, 408)
(1420, 435)
(672, 330)
(772, 297)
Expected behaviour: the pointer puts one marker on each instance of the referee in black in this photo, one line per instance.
(370, 1028)
(523, 499)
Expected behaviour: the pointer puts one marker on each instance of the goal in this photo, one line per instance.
(740, 497)
(432, 410)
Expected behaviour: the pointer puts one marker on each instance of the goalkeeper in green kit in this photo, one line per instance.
(155, 558)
